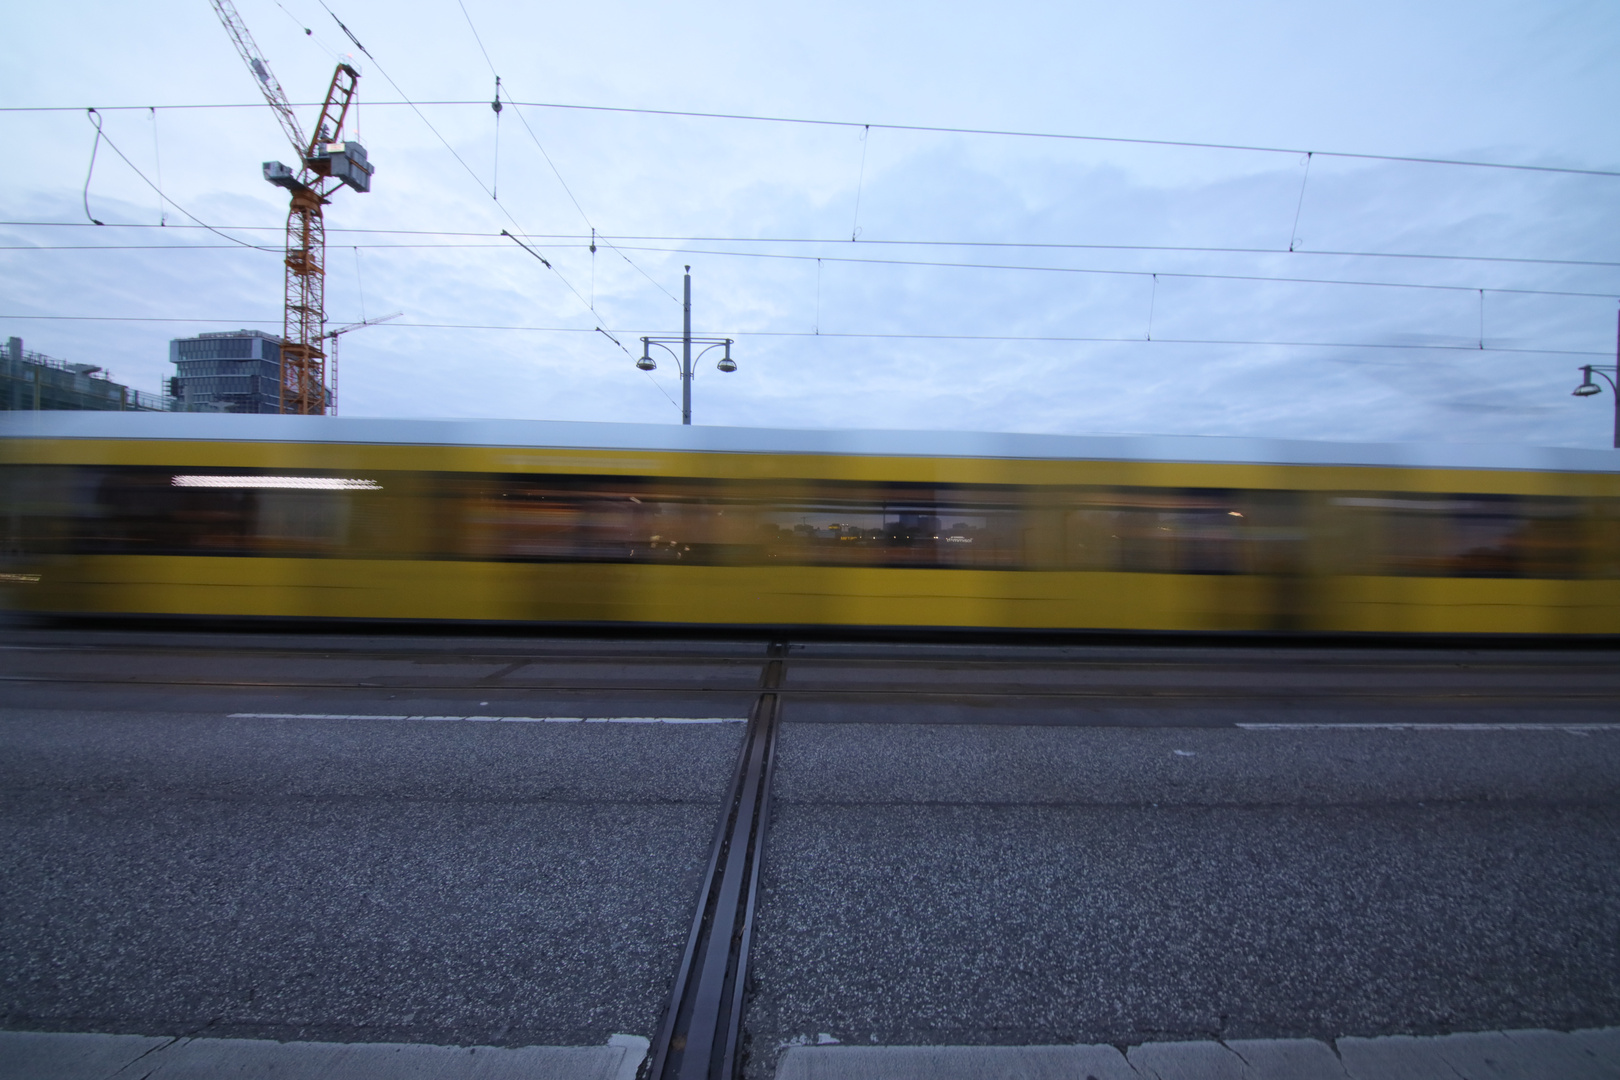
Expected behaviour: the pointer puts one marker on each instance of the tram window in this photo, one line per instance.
(525, 519)
(709, 522)
(44, 506)
(141, 511)
(1166, 531)
(896, 528)
(1470, 535)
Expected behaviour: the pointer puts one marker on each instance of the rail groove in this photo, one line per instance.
(700, 1037)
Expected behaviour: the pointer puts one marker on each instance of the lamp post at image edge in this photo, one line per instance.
(1588, 388)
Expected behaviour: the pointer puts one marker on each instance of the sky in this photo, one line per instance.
(874, 275)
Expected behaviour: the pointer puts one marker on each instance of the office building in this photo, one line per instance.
(237, 371)
(31, 380)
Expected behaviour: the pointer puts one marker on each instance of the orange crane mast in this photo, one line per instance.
(326, 163)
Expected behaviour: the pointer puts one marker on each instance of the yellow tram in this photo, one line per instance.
(512, 522)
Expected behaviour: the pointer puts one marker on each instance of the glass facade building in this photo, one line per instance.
(236, 371)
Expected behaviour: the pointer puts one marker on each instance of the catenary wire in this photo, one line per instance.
(1469, 347)
(552, 164)
(90, 171)
(104, 137)
(1190, 275)
(157, 160)
(924, 128)
(478, 38)
(1126, 273)
(1033, 245)
(462, 161)
(308, 32)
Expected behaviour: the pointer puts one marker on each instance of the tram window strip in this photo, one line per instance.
(496, 719)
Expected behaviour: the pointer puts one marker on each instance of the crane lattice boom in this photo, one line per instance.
(325, 163)
(257, 64)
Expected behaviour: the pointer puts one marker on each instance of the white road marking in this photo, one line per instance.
(496, 719)
(1580, 728)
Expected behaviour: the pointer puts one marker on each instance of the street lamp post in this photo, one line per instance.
(647, 363)
(1588, 387)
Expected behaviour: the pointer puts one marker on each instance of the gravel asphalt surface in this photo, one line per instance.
(970, 844)
(354, 880)
(983, 885)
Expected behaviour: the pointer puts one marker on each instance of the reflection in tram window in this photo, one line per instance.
(714, 523)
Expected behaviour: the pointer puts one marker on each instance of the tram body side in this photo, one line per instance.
(459, 533)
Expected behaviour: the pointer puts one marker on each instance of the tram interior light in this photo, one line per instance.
(294, 483)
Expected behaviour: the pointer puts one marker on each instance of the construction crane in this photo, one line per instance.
(326, 162)
(332, 336)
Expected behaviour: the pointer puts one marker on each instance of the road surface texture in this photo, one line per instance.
(439, 841)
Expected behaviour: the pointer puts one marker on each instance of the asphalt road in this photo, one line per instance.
(971, 844)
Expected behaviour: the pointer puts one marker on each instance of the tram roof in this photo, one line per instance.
(557, 434)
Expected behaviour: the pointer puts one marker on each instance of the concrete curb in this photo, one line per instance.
(35, 1055)
(1592, 1054)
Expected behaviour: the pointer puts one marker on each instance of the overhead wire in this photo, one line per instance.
(938, 129)
(552, 165)
(496, 105)
(1129, 273)
(423, 117)
(860, 184)
(91, 170)
(819, 259)
(855, 233)
(595, 234)
(1293, 230)
(102, 136)
(157, 158)
(308, 31)
(833, 240)
(1468, 346)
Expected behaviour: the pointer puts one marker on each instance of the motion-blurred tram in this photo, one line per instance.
(540, 523)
